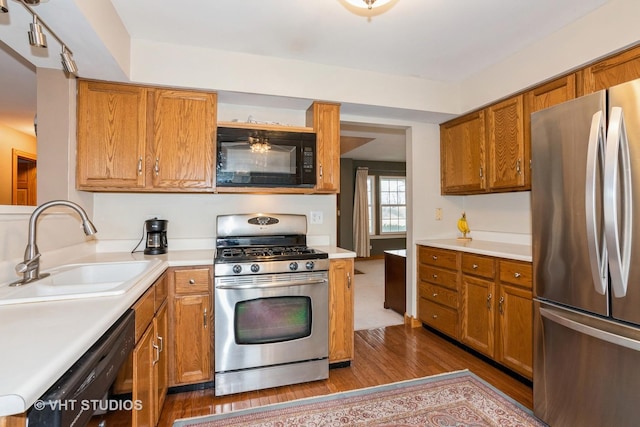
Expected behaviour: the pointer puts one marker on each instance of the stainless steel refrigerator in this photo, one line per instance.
(586, 256)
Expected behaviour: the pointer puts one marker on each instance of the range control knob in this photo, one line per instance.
(309, 265)
(255, 268)
(237, 269)
(293, 266)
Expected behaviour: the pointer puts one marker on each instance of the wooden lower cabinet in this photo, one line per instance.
(144, 374)
(489, 308)
(191, 325)
(477, 314)
(341, 310)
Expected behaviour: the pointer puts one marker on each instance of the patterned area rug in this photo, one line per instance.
(453, 399)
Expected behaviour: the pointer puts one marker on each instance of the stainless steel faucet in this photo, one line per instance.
(30, 267)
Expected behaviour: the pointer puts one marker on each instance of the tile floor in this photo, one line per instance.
(369, 297)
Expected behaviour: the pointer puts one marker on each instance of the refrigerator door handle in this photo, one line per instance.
(599, 334)
(617, 202)
(595, 239)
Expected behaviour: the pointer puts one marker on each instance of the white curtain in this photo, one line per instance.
(361, 214)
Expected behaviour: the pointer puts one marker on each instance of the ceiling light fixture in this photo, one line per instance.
(36, 36)
(369, 4)
(38, 39)
(68, 64)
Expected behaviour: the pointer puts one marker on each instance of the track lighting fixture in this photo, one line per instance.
(36, 36)
(68, 64)
(38, 39)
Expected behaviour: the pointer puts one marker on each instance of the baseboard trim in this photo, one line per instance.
(412, 321)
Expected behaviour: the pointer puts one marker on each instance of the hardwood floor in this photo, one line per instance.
(384, 355)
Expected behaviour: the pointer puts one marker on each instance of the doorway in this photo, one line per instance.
(24, 178)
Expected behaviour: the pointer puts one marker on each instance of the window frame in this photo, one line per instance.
(379, 226)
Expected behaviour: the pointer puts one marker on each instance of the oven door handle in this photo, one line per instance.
(272, 285)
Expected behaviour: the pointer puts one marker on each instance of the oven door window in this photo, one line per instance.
(272, 320)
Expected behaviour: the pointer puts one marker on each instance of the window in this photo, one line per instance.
(393, 209)
(371, 202)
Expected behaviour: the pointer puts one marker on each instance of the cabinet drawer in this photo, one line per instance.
(439, 294)
(517, 273)
(192, 280)
(160, 292)
(145, 310)
(478, 265)
(442, 318)
(438, 257)
(438, 276)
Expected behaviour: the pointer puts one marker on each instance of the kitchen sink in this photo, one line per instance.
(73, 281)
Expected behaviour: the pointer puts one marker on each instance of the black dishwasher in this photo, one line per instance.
(73, 399)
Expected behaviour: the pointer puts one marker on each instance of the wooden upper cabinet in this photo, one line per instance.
(324, 117)
(462, 154)
(111, 135)
(544, 96)
(506, 145)
(135, 138)
(612, 71)
(182, 141)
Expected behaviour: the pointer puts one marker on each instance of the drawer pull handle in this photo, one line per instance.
(489, 302)
(161, 343)
(157, 357)
(204, 320)
(435, 294)
(192, 281)
(474, 266)
(435, 316)
(517, 275)
(434, 257)
(435, 276)
(500, 305)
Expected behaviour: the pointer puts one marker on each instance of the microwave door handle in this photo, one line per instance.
(618, 215)
(595, 239)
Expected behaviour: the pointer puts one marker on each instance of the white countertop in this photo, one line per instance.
(397, 252)
(482, 247)
(42, 340)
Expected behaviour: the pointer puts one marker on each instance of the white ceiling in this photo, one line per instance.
(441, 40)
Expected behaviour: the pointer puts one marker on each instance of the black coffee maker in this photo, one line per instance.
(156, 236)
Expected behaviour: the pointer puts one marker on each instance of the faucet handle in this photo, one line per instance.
(27, 265)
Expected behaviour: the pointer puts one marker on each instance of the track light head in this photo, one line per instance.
(68, 64)
(3, 6)
(36, 36)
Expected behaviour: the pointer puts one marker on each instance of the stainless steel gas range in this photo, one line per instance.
(271, 304)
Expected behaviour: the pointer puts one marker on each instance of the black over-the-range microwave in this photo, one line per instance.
(265, 158)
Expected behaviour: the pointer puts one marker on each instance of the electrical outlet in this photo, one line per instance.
(438, 214)
(315, 217)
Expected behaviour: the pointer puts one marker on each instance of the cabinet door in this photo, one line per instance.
(612, 71)
(340, 310)
(515, 309)
(506, 145)
(160, 367)
(144, 391)
(544, 96)
(325, 119)
(477, 325)
(192, 338)
(462, 154)
(111, 136)
(182, 148)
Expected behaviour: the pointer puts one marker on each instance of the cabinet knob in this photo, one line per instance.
(474, 266)
(435, 316)
(435, 276)
(435, 257)
(517, 275)
(435, 294)
(192, 281)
